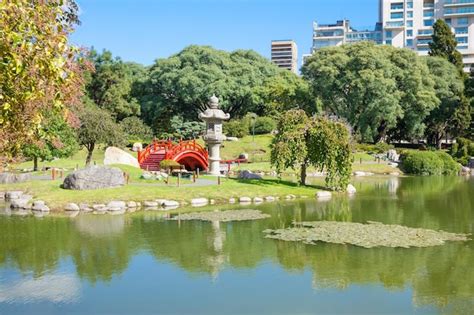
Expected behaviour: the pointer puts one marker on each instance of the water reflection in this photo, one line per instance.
(102, 247)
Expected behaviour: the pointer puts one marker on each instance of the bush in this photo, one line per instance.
(462, 150)
(136, 130)
(169, 164)
(378, 148)
(429, 163)
(263, 125)
(236, 128)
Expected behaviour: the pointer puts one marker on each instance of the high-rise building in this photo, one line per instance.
(341, 32)
(408, 24)
(285, 54)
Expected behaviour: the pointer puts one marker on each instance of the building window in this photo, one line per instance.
(463, 21)
(388, 34)
(409, 42)
(429, 13)
(448, 21)
(461, 30)
(462, 40)
(410, 5)
(396, 15)
(410, 14)
(388, 42)
(409, 23)
(428, 22)
(409, 33)
(397, 6)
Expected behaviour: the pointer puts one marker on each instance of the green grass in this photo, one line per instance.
(258, 150)
(57, 197)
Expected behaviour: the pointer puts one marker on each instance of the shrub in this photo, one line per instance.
(263, 125)
(378, 148)
(169, 164)
(462, 150)
(236, 128)
(429, 163)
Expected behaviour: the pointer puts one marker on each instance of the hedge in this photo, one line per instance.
(429, 163)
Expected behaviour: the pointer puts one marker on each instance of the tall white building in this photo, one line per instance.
(285, 54)
(408, 24)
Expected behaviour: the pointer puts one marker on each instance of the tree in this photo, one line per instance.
(186, 129)
(469, 93)
(183, 83)
(451, 111)
(55, 139)
(318, 141)
(111, 85)
(444, 45)
(377, 89)
(135, 129)
(98, 126)
(39, 71)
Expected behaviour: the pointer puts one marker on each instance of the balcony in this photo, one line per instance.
(455, 3)
(461, 11)
(395, 25)
(425, 33)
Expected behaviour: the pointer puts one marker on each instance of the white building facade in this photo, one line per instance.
(285, 54)
(407, 24)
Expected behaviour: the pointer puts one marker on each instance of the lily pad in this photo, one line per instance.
(372, 234)
(223, 216)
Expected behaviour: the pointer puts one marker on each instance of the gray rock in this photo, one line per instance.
(13, 194)
(245, 200)
(11, 178)
(199, 202)
(116, 205)
(392, 155)
(232, 200)
(351, 189)
(94, 177)
(290, 197)
(359, 173)
(232, 139)
(132, 204)
(170, 204)
(2, 195)
(146, 175)
(99, 207)
(72, 207)
(258, 200)
(323, 194)
(249, 175)
(115, 155)
(150, 204)
(269, 198)
(19, 203)
(85, 207)
(40, 206)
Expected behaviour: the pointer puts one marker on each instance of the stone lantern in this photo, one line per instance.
(213, 116)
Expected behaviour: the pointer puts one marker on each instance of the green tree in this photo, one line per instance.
(111, 85)
(39, 69)
(318, 141)
(186, 130)
(451, 110)
(136, 130)
(444, 44)
(56, 139)
(98, 127)
(469, 92)
(183, 83)
(377, 89)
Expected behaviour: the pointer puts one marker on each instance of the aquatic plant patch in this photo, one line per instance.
(372, 234)
(223, 216)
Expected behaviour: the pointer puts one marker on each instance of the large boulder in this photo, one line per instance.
(10, 178)
(249, 175)
(115, 155)
(94, 177)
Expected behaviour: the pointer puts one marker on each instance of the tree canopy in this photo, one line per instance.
(444, 44)
(319, 141)
(39, 71)
(380, 90)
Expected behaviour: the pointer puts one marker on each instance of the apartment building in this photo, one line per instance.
(285, 54)
(408, 24)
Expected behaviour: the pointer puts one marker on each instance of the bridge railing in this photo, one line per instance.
(189, 145)
(155, 146)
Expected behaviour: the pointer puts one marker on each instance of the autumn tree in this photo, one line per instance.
(39, 71)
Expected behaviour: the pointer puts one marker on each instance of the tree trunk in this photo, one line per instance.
(35, 164)
(439, 137)
(303, 174)
(90, 149)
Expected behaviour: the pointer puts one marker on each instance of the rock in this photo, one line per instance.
(170, 204)
(258, 200)
(115, 155)
(395, 174)
(232, 139)
(160, 202)
(2, 195)
(19, 203)
(99, 207)
(72, 207)
(137, 146)
(232, 200)
(40, 206)
(38, 203)
(132, 204)
(269, 198)
(245, 200)
(94, 177)
(151, 204)
(392, 155)
(198, 202)
(116, 205)
(351, 189)
(465, 170)
(323, 194)
(212, 201)
(243, 156)
(11, 178)
(85, 207)
(13, 194)
(359, 173)
(249, 175)
(289, 197)
(146, 175)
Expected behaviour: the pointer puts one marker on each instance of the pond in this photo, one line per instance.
(141, 264)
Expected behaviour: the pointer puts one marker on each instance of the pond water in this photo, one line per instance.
(140, 264)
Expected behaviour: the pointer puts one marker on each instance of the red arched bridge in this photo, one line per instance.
(188, 153)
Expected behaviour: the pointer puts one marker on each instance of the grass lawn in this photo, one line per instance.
(258, 151)
(57, 197)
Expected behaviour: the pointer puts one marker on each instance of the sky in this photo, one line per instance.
(145, 30)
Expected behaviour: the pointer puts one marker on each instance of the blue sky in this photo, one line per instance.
(144, 30)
